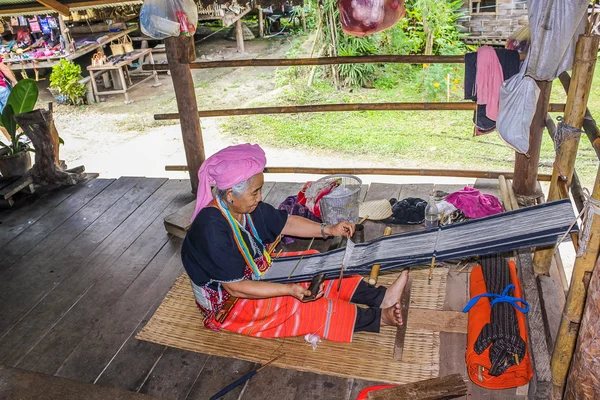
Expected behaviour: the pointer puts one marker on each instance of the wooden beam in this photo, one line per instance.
(299, 62)
(180, 50)
(578, 292)
(540, 385)
(460, 173)
(526, 166)
(26, 9)
(446, 387)
(579, 91)
(438, 321)
(456, 106)
(55, 6)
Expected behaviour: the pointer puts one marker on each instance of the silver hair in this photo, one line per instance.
(238, 189)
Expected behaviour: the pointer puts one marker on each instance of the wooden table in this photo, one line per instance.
(119, 68)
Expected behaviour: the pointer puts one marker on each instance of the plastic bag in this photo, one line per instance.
(364, 17)
(518, 100)
(161, 19)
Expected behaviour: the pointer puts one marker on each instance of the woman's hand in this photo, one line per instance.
(299, 292)
(343, 228)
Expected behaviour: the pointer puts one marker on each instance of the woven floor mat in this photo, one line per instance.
(178, 323)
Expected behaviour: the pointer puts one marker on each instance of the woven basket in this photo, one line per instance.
(127, 44)
(116, 48)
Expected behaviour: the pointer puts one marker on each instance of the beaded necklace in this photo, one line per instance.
(258, 270)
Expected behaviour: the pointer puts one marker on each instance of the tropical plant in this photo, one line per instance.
(22, 99)
(65, 78)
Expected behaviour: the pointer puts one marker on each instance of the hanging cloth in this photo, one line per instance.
(555, 26)
(488, 80)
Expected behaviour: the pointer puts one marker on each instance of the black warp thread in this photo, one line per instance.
(502, 332)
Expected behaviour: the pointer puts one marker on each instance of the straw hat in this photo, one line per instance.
(375, 209)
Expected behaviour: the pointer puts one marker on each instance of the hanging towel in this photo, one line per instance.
(488, 80)
(480, 315)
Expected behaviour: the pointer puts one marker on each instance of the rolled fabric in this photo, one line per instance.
(479, 316)
(226, 168)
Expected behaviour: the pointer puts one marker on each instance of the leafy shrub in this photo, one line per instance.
(65, 81)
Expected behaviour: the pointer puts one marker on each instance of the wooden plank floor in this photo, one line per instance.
(83, 268)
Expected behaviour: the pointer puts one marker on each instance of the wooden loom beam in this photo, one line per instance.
(577, 98)
(381, 171)
(583, 71)
(526, 167)
(453, 106)
(180, 51)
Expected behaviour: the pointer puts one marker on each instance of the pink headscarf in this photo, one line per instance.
(226, 168)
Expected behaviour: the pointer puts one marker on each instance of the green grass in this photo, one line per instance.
(429, 139)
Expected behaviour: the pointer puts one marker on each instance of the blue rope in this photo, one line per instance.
(500, 298)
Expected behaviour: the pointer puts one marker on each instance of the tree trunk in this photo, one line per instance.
(38, 125)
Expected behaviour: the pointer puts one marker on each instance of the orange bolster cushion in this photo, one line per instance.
(479, 315)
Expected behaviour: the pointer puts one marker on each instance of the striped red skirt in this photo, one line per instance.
(332, 317)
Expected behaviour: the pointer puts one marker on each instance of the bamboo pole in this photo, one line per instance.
(380, 171)
(584, 376)
(180, 50)
(589, 123)
(455, 106)
(577, 98)
(504, 193)
(526, 166)
(572, 313)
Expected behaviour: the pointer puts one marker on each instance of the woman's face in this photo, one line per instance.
(247, 202)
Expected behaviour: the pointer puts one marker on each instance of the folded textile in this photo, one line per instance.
(409, 211)
(506, 363)
(474, 204)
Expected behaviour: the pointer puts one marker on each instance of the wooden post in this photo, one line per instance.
(526, 168)
(239, 36)
(303, 18)
(584, 375)
(261, 26)
(64, 32)
(180, 52)
(577, 98)
(571, 317)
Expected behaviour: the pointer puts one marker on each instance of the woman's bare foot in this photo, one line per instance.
(391, 315)
(393, 293)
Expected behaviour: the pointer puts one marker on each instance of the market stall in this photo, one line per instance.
(36, 36)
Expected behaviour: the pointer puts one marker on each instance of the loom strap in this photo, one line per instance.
(591, 206)
(500, 298)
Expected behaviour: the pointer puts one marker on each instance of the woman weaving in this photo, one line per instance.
(225, 254)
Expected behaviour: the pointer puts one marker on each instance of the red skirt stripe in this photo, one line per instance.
(332, 317)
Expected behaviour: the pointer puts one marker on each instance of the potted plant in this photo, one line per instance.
(14, 156)
(64, 83)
